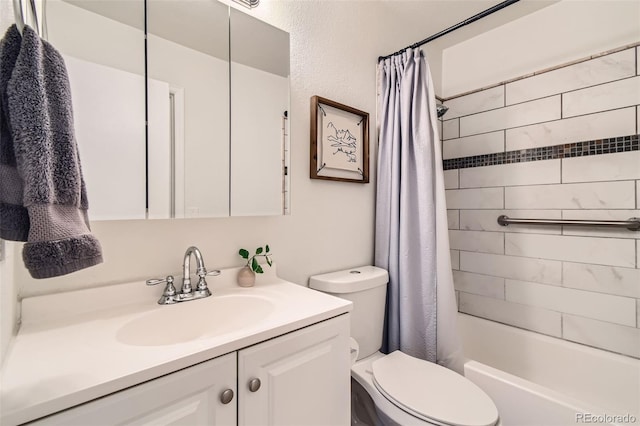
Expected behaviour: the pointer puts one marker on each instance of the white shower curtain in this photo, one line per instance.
(412, 240)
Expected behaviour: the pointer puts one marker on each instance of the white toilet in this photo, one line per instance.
(398, 389)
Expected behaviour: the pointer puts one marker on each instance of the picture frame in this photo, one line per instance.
(339, 142)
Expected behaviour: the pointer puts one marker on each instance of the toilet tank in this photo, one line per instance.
(366, 287)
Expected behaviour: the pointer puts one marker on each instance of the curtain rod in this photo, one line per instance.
(467, 21)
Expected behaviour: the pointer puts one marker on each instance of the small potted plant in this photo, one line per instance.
(247, 274)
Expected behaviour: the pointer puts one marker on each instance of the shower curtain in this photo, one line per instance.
(412, 240)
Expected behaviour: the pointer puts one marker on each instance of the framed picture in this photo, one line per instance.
(339, 142)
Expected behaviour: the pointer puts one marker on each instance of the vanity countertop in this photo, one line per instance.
(77, 346)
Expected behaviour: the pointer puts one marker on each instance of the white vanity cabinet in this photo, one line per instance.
(302, 378)
(299, 378)
(186, 397)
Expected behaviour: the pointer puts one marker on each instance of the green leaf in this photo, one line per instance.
(267, 248)
(259, 250)
(244, 253)
(254, 264)
(269, 261)
(259, 270)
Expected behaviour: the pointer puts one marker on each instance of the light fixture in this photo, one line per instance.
(248, 3)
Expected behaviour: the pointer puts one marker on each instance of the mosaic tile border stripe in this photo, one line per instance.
(576, 149)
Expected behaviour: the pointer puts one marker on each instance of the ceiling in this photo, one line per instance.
(420, 14)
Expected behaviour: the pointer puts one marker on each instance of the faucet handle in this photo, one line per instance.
(169, 293)
(156, 281)
(202, 288)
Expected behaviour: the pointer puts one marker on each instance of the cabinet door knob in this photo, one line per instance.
(226, 396)
(254, 385)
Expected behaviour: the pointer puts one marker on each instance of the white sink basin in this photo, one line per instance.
(197, 319)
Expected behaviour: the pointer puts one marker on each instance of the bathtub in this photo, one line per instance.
(539, 380)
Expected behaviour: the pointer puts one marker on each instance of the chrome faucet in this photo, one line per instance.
(186, 293)
(201, 289)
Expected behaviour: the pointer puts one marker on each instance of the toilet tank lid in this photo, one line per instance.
(350, 280)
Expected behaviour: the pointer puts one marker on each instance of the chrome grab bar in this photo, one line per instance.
(632, 224)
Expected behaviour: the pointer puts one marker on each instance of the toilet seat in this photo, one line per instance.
(431, 392)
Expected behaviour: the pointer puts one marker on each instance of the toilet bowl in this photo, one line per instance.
(398, 389)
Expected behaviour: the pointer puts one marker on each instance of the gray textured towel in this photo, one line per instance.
(39, 162)
(14, 218)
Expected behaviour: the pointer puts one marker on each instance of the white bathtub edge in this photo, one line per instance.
(523, 403)
(591, 376)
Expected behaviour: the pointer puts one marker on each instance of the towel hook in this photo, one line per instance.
(34, 13)
(18, 13)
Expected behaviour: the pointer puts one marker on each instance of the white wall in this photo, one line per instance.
(559, 33)
(8, 295)
(8, 290)
(331, 224)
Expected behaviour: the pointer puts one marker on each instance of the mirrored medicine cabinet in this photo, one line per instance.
(191, 123)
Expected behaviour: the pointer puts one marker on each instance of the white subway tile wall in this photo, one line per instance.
(450, 179)
(594, 168)
(486, 220)
(616, 309)
(602, 251)
(537, 111)
(617, 94)
(484, 242)
(453, 219)
(598, 195)
(601, 334)
(584, 74)
(569, 130)
(484, 100)
(529, 173)
(450, 129)
(483, 285)
(581, 284)
(602, 279)
(524, 316)
(483, 198)
(600, 215)
(455, 259)
(519, 268)
(484, 143)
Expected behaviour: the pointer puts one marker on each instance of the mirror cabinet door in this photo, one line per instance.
(217, 100)
(188, 107)
(102, 42)
(259, 111)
